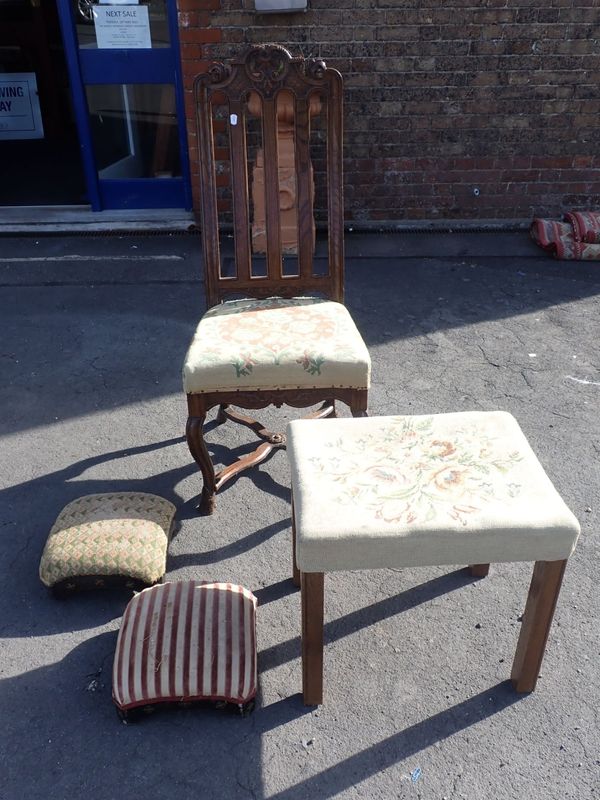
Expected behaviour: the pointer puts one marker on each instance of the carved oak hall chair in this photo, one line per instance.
(276, 331)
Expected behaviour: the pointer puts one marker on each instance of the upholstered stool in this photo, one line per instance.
(186, 642)
(411, 491)
(104, 538)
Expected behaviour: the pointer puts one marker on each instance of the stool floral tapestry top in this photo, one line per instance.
(414, 473)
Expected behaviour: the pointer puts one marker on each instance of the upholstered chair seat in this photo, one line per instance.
(294, 343)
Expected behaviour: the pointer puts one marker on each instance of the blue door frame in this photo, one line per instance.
(93, 66)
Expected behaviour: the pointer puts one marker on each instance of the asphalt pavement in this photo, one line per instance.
(417, 700)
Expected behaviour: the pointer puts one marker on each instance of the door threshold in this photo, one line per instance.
(34, 220)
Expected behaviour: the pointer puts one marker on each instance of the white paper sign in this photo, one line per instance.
(20, 115)
(122, 27)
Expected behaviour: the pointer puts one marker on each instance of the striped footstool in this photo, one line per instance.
(186, 642)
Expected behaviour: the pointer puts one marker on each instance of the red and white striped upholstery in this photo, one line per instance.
(186, 641)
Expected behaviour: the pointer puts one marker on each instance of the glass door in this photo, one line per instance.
(39, 143)
(129, 101)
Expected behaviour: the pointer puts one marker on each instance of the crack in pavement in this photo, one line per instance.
(488, 359)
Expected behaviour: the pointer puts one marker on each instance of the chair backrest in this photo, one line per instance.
(267, 71)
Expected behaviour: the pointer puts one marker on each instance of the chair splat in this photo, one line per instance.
(270, 73)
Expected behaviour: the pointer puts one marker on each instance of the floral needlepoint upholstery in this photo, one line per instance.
(296, 343)
(101, 536)
(185, 642)
(420, 491)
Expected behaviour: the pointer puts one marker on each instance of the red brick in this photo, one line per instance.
(198, 5)
(200, 35)
(440, 97)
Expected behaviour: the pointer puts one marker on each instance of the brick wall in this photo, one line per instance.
(455, 109)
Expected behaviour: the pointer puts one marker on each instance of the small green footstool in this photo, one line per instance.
(101, 539)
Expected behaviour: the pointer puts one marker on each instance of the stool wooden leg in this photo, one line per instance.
(479, 570)
(312, 584)
(537, 619)
(295, 570)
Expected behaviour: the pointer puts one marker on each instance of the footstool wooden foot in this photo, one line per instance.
(479, 570)
(312, 637)
(537, 619)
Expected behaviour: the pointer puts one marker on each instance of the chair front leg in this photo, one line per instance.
(537, 619)
(312, 600)
(195, 440)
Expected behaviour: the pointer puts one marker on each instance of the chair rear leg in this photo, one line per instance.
(195, 440)
(359, 403)
(326, 409)
(221, 416)
(537, 619)
(479, 570)
(312, 601)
